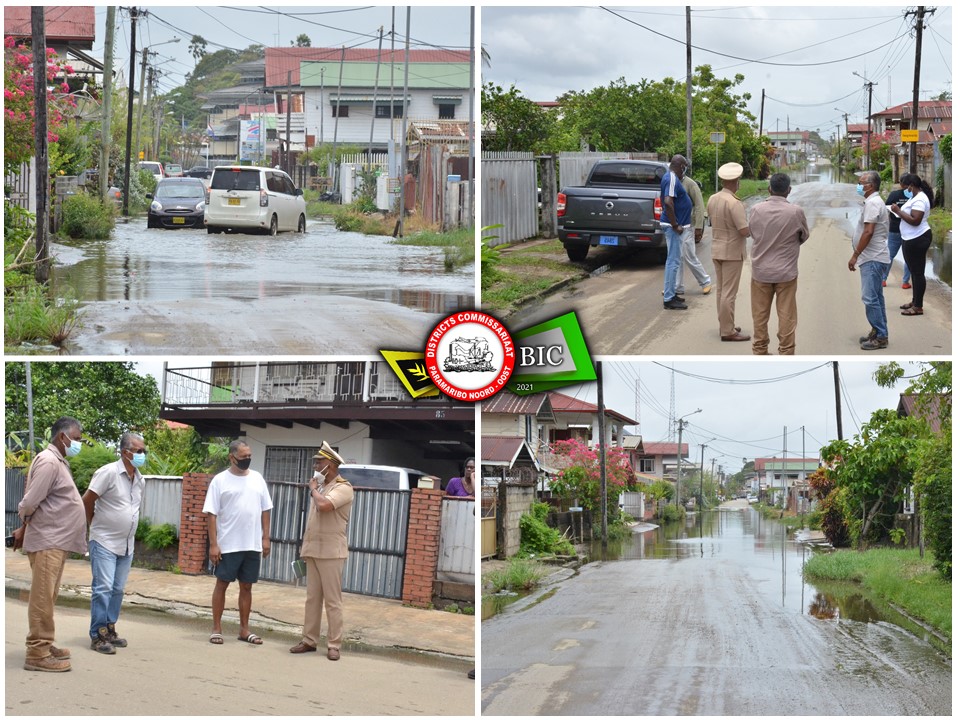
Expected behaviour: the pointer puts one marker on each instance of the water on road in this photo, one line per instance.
(184, 291)
(706, 620)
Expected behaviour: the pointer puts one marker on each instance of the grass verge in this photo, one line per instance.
(30, 315)
(521, 575)
(458, 245)
(523, 273)
(898, 576)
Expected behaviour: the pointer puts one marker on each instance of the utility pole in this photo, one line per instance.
(287, 167)
(38, 39)
(471, 151)
(133, 70)
(679, 447)
(107, 101)
(601, 426)
(836, 392)
(763, 102)
(403, 132)
(373, 115)
(143, 76)
(915, 119)
(336, 122)
(869, 85)
(689, 91)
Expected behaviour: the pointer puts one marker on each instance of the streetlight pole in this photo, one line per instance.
(145, 54)
(702, 447)
(680, 425)
(869, 113)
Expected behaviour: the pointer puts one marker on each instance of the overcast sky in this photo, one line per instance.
(546, 51)
(238, 27)
(746, 419)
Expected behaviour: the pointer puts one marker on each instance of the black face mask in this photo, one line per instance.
(244, 463)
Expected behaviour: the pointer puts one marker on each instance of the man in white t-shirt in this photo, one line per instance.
(238, 521)
(871, 257)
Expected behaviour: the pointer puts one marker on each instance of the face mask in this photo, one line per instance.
(139, 459)
(319, 475)
(859, 189)
(74, 448)
(243, 464)
(908, 193)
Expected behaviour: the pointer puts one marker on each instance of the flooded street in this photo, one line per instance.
(711, 620)
(186, 292)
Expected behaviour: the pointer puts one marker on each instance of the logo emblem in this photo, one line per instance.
(470, 356)
(609, 205)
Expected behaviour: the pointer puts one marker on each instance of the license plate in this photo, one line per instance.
(233, 201)
(609, 240)
(179, 221)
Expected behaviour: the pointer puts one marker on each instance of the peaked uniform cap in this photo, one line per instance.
(730, 171)
(328, 453)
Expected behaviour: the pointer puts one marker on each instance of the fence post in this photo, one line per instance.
(193, 524)
(423, 546)
(548, 195)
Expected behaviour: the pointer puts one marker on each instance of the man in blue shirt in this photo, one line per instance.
(677, 208)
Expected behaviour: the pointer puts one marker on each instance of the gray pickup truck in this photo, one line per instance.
(618, 207)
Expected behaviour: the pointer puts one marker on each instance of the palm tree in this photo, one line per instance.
(198, 48)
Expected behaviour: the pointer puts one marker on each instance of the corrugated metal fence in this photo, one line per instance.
(377, 538)
(457, 557)
(160, 503)
(509, 195)
(15, 479)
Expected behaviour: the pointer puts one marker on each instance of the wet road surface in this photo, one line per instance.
(621, 310)
(721, 624)
(183, 291)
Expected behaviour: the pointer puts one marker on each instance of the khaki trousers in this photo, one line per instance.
(324, 590)
(47, 567)
(761, 298)
(727, 279)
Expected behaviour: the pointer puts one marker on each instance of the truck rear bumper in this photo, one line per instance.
(611, 239)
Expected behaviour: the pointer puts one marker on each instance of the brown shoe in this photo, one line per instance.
(46, 664)
(736, 337)
(302, 647)
(333, 654)
(59, 653)
(101, 644)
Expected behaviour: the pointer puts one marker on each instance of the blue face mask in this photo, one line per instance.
(908, 193)
(74, 449)
(139, 459)
(859, 189)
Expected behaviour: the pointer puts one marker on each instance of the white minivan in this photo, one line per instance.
(383, 477)
(245, 198)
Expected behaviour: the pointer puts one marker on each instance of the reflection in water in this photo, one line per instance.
(823, 607)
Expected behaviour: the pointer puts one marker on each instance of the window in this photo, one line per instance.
(274, 183)
(447, 112)
(288, 187)
(647, 465)
(344, 110)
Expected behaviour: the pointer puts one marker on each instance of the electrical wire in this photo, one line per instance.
(730, 381)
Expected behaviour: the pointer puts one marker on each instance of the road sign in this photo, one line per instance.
(718, 137)
(909, 136)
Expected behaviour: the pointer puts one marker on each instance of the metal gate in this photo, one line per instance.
(509, 195)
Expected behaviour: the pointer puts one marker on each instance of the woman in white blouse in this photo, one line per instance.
(917, 235)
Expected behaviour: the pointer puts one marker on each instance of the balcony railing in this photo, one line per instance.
(294, 383)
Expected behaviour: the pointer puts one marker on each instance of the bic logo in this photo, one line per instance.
(541, 356)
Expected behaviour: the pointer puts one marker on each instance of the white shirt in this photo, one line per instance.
(117, 510)
(238, 501)
(874, 211)
(920, 201)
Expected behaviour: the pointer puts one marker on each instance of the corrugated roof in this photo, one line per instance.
(908, 406)
(565, 403)
(927, 109)
(281, 60)
(510, 404)
(665, 448)
(63, 23)
(506, 451)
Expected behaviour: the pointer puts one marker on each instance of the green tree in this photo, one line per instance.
(512, 122)
(108, 398)
(303, 40)
(198, 48)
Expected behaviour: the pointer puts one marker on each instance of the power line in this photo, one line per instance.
(731, 381)
(826, 102)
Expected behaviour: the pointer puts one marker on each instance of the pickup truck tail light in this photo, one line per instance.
(561, 204)
(657, 209)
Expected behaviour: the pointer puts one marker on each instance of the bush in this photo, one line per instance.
(86, 217)
(933, 483)
(31, 315)
(161, 536)
(671, 513)
(521, 574)
(91, 459)
(143, 527)
(538, 538)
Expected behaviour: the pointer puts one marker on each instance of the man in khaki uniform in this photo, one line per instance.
(324, 550)
(728, 218)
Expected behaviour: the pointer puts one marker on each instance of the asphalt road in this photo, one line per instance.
(660, 637)
(621, 310)
(170, 669)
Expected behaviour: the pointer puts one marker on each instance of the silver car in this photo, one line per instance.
(245, 198)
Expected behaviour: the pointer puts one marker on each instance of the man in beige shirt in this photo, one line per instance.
(324, 550)
(54, 525)
(728, 247)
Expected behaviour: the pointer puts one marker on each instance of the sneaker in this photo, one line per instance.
(877, 343)
(101, 644)
(906, 286)
(675, 304)
(47, 664)
(112, 636)
(870, 336)
(707, 288)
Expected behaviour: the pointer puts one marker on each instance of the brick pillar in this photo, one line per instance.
(423, 546)
(193, 524)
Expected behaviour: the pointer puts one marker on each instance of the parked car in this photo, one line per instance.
(177, 203)
(254, 199)
(382, 477)
(173, 170)
(199, 171)
(154, 167)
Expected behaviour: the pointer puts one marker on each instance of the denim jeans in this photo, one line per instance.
(688, 254)
(109, 578)
(871, 292)
(672, 267)
(894, 241)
